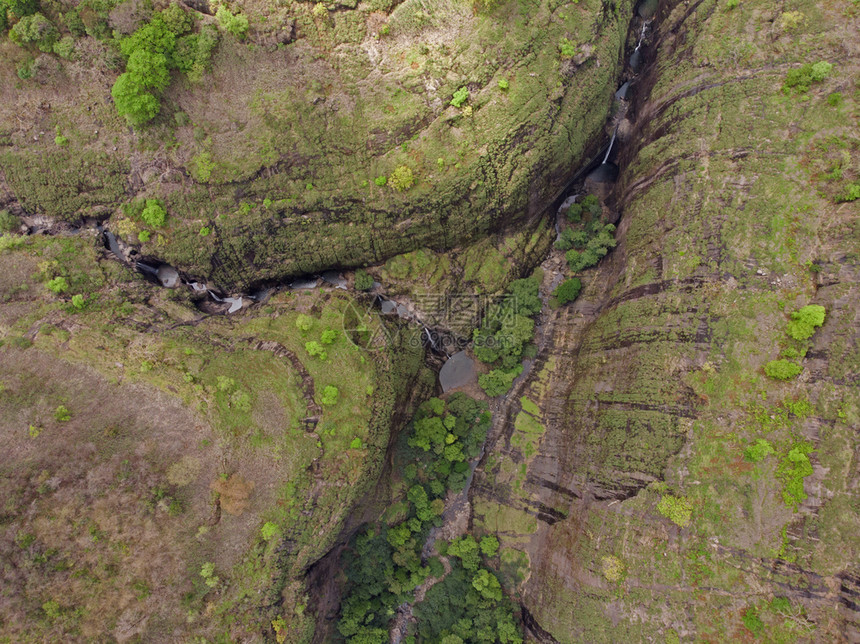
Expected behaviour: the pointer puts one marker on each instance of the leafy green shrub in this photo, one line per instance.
(802, 78)
(205, 231)
(62, 415)
(851, 193)
(380, 181)
(363, 280)
(758, 451)
(732, 4)
(568, 290)
(752, 621)
(133, 101)
(329, 395)
(144, 236)
(153, 213)
(355, 443)
(792, 470)
(314, 348)
(402, 178)
(35, 30)
(498, 381)
(566, 48)
(65, 47)
(675, 508)
(600, 240)
(804, 321)
(329, 336)
(782, 369)
(8, 222)
(612, 567)
(235, 24)
(489, 545)
(304, 323)
(270, 530)
(78, 301)
(207, 571)
(504, 85)
(61, 140)
(459, 97)
(58, 285)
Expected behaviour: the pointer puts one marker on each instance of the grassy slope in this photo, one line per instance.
(655, 377)
(306, 128)
(109, 516)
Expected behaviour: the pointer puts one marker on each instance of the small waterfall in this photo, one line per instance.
(611, 143)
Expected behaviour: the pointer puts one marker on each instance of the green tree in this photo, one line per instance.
(568, 290)
(402, 178)
(804, 322)
(35, 30)
(133, 101)
(782, 369)
(329, 396)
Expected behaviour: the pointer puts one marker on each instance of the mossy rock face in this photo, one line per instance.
(653, 383)
(277, 150)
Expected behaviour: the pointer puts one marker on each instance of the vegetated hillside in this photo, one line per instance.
(682, 462)
(286, 139)
(168, 475)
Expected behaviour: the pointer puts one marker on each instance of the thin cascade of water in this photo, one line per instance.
(611, 143)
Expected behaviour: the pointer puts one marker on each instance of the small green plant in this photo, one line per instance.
(207, 571)
(752, 621)
(61, 140)
(58, 285)
(380, 181)
(143, 236)
(320, 11)
(204, 231)
(34, 431)
(804, 321)
(504, 84)
(792, 470)
(791, 20)
(304, 323)
(8, 222)
(613, 568)
(329, 396)
(270, 530)
(356, 443)
(314, 348)
(782, 369)
(78, 301)
(363, 280)
(329, 336)
(851, 193)
(234, 24)
(758, 451)
(675, 508)
(62, 415)
(732, 4)
(498, 381)
(802, 78)
(460, 97)
(568, 290)
(153, 213)
(489, 545)
(566, 48)
(402, 178)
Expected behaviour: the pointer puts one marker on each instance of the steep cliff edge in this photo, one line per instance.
(647, 480)
(366, 131)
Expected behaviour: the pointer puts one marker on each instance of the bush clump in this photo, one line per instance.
(568, 290)
(675, 508)
(363, 280)
(782, 369)
(34, 30)
(804, 321)
(460, 97)
(402, 178)
(235, 24)
(505, 335)
(802, 78)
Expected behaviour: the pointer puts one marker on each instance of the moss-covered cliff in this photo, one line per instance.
(649, 481)
(287, 154)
